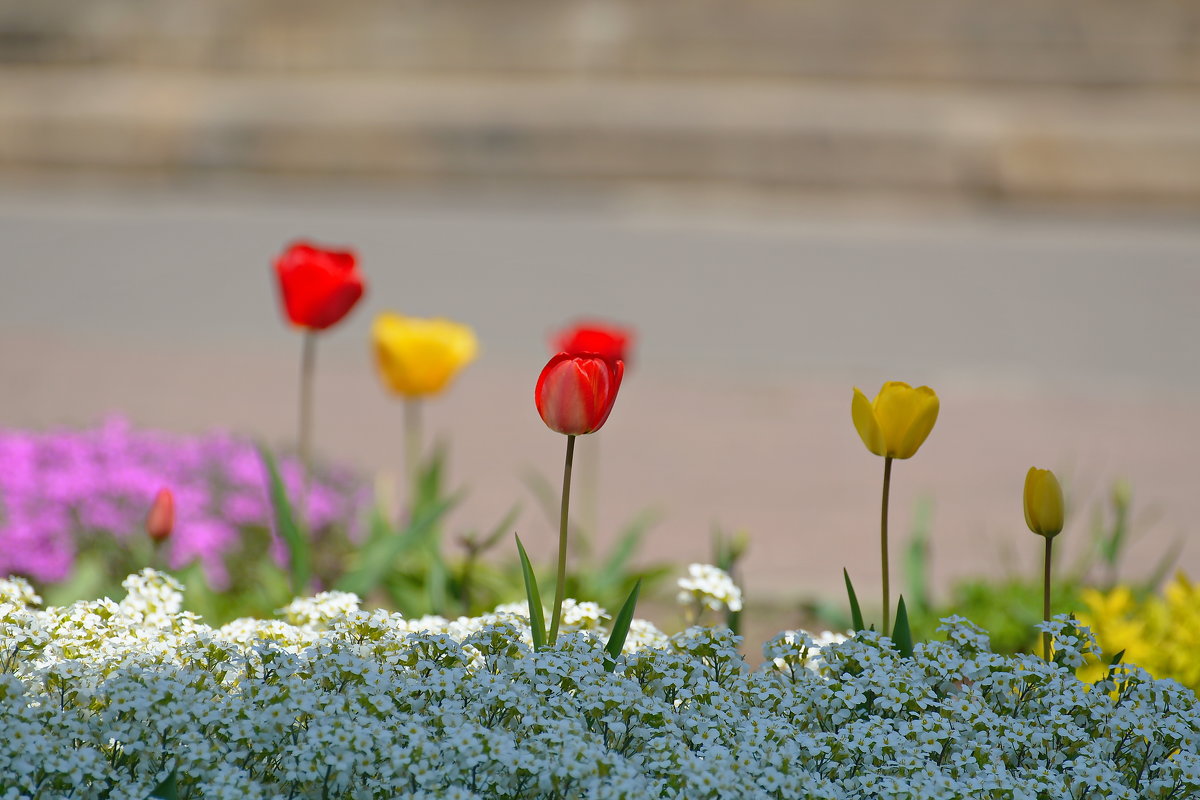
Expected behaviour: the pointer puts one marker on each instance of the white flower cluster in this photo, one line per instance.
(709, 587)
(104, 699)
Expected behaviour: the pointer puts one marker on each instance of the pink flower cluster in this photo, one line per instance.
(61, 491)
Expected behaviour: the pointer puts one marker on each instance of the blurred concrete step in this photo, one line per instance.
(1081, 42)
(1012, 144)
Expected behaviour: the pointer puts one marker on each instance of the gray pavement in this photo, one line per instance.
(1067, 343)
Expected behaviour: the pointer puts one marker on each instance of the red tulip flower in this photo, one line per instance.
(318, 286)
(161, 519)
(608, 341)
(575, 393)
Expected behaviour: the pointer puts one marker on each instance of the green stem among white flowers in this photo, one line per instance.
(1046, 598)
(560, 587)
(308, 361)
(883, 546)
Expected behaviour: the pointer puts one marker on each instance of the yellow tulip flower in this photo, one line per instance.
(898, 421)
(1043, 502)
(418, 357)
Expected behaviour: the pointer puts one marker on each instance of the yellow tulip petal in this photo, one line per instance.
(927, 406)
(1043, 502)
(866, 424)
(419, 357)
(906, 416)
(1027, 498)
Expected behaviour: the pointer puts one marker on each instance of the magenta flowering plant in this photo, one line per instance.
(73, 505)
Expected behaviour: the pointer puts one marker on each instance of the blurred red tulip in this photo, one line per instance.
(609, 341)
(161, 519)
(318, 286)
(575, 394)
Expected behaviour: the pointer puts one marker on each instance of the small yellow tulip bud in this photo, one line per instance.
(897, 422)
(418, 357)
(1043, 503)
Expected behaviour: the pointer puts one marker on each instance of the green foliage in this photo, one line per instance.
(901, 632)
(612, 581)
(856, 617)
(533, 596)
(288, 527)
(728, 550)
(167, 790)
(620, 628)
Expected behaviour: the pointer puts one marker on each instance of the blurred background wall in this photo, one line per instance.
(786, 198)
(962, 99)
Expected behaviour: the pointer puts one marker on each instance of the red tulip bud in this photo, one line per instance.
(318, 286)
(575, 393)
(161, 519)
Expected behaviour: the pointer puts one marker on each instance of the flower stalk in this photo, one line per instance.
(412, 447)
(1046, 598)
(308, 362)
(560, 585)
(883, 545)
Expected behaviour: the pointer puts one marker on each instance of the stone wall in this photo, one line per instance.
(1084, 100)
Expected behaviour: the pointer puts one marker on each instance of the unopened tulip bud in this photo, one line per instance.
(575, 394)
(1043, 503)
(161, 519)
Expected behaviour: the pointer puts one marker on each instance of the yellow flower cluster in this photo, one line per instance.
(1159, 634)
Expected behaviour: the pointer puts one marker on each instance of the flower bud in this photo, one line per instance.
(1043, 503)
(160, 521)
(575, 394)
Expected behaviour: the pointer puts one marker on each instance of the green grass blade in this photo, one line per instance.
(916, 560)
(620, 629)
(493, 536)
(615, 569)
(537, 619)
(376, 561)
(902, 633)
(856, 618)
(299, 549)
(167, 790)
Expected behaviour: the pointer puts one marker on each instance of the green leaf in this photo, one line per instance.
(901, 633)
(379, 557)
(167, 790)
(299, 550)
(493, 536)
(613, 573)
(620, 629)
(916, 560)
(856, 618)
(537, 618)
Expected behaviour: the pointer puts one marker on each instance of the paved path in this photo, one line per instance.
(1069, 344)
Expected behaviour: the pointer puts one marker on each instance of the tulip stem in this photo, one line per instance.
(412, 449)
(1046, 599)
(308, 360)
(560, 587)
(883, 546)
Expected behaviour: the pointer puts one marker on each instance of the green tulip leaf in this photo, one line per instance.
(620, 629)
(167, 790)
(856, 617)
(537, 618)
(901, 632)
(381, 553)
(293, 535)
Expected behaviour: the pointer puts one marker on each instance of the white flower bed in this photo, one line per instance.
(104, 699)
